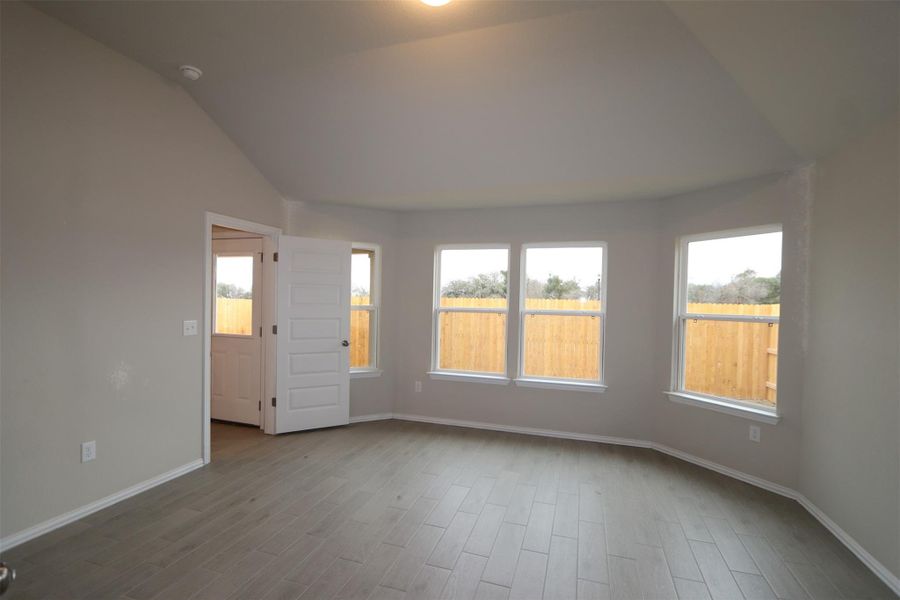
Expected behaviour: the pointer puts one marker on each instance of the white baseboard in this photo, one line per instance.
(733, 473)
(371, 417)
(881, 571)
(584, 437)
(889, 579)
(49, 525)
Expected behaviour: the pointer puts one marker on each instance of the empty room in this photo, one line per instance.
(449, 299)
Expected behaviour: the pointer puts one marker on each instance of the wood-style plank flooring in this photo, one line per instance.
(394, 510)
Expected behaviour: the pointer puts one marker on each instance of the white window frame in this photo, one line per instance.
(456, 375)
(678, 393)
(563, 383)
(373, 309)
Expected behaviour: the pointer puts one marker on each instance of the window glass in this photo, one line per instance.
(364, 309)
(562, 346)
(474, 277)
(562, 313)
(361, 272)
(361, 339)
(473, 341)
(470, 316)
(564, 278)
(732, 359)
(733, 271)
(234, 295)
(730, 317)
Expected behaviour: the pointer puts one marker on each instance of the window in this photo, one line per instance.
(470, 310)
(562, 314)
(364, 302)
(234, 294)
(729, 302)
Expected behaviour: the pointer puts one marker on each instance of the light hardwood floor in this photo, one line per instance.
(393, 510)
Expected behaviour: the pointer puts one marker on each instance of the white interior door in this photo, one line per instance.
(236, 344)
(313, 373)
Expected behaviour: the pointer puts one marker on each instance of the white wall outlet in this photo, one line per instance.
(418, 387)
(754, 433)
(190, 328)
(88, 451)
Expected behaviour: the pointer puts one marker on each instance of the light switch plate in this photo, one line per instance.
(190, 328)
(88, 451)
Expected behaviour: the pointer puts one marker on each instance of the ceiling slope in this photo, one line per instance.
(821, 72)
(397, 105)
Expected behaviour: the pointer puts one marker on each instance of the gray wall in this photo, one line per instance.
(630, 230)
(721, 438)
(641, 239)
(107, 170)
(850, 449)
(102, 241)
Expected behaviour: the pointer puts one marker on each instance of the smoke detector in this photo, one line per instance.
(190, 72)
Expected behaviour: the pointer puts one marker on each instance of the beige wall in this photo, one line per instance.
(850, 464)
(107, 171)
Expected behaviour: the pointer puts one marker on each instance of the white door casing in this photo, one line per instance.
(236, 360)
(313, 369)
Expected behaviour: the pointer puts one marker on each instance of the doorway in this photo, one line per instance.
(236, 357)
(239, 340)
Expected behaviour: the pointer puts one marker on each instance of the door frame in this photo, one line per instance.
(270, 237)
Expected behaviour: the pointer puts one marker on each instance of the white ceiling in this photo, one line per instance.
(394, 104)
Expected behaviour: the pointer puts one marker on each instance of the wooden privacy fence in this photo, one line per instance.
(557, 346)
(360, 328)
(722, 358)
(732, 359)
(234, 316)
(736, 360)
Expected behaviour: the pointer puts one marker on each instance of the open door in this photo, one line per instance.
(313, 369)
(236, 339)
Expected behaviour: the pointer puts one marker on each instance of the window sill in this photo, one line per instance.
(365, 373)
(723, 406)
(470, 377)
(550, 384)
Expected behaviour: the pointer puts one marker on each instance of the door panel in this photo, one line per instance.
(236, 343)
(314, 321)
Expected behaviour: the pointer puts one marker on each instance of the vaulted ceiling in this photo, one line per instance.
(394, 104)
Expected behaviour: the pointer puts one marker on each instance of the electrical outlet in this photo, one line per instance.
(88, 451)
(754, 433)
(418, 387)
(189, 328)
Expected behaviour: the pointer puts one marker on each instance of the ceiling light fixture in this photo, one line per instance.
(190, 72)
(435, 2)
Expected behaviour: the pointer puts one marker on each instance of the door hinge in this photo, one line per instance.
(273, 401)
(275, 257)
(260, 406)
(275, 329)
(260, 331)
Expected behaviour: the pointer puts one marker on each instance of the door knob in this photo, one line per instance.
(345, 343)
(7, 575)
